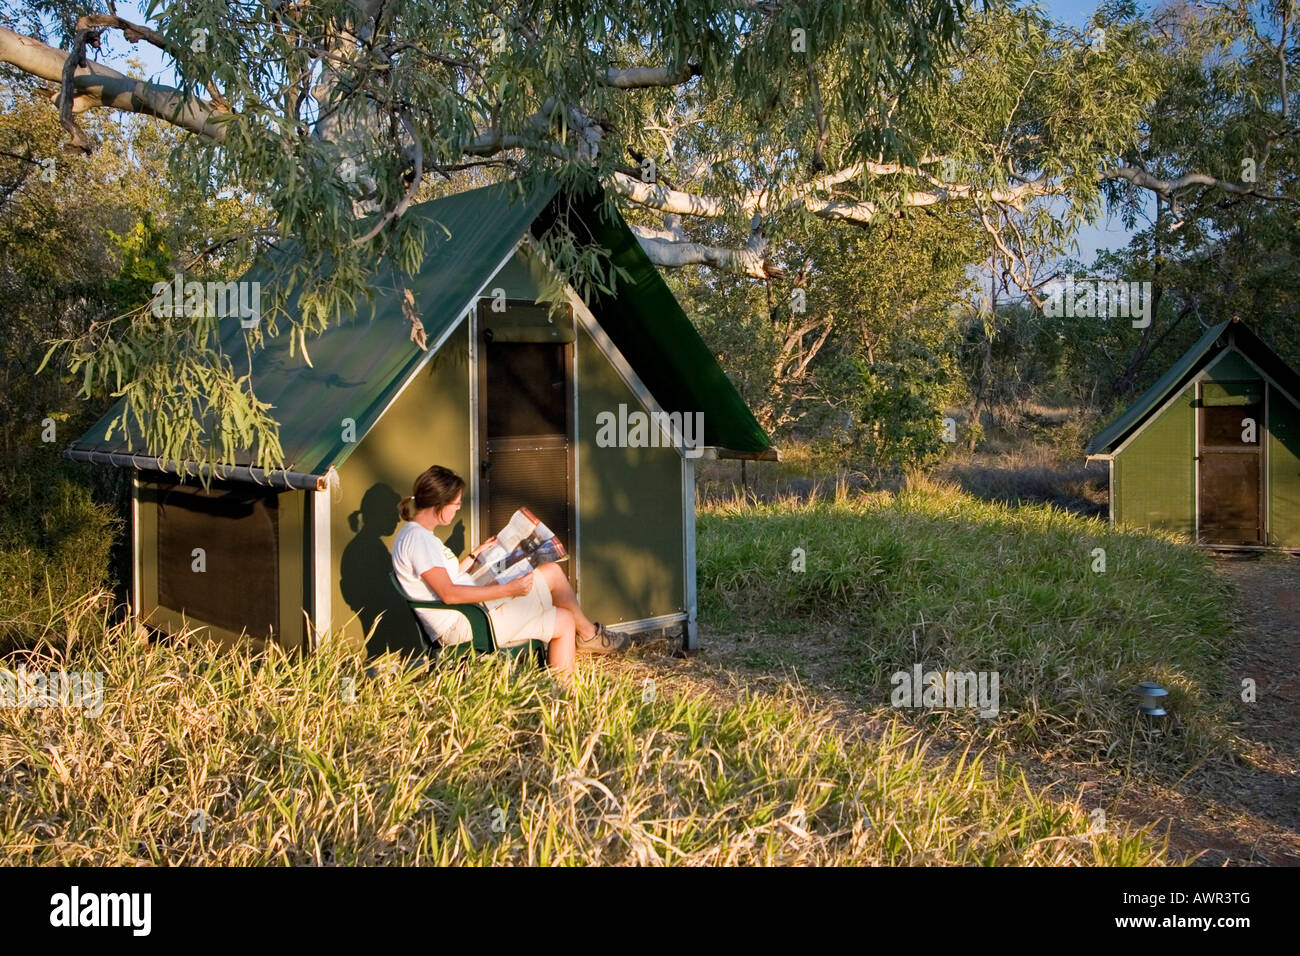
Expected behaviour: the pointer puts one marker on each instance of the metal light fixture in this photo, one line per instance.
(1151, 694)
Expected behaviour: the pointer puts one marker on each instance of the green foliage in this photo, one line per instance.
(950, 135)
(70, 268)
(304, 93)
(1018, 353)
(144, 256)
(871, 360)
(49, 20)
(55, 545)
(1225, 107)
(900, 410)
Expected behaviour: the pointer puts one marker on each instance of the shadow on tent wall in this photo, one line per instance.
(364, 568)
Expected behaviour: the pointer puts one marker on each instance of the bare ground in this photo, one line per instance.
(1243, 810)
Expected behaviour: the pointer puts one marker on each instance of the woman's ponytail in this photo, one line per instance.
(406, 508)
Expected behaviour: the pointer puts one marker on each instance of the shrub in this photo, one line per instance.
(55, 548)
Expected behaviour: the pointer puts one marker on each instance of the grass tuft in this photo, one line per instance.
(936, 577)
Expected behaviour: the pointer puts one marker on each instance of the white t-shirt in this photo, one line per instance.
(416, 549)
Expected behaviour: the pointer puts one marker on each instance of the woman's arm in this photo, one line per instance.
(440, 583)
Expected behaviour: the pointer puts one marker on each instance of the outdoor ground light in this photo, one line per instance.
(1151, 694)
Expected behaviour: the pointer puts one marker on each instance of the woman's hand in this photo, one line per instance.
(520, 585)
(468, 561)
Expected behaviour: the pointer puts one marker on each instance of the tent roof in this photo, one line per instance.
(1233, 333)
(361, 363)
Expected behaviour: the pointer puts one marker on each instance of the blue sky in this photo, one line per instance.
(1106, 233)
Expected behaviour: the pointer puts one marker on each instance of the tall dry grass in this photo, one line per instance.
(208, 757)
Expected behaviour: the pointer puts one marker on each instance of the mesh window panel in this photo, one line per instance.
(1230, 498)
(1223, 426)
(1232, 393)
(525, 389)
(238, 531)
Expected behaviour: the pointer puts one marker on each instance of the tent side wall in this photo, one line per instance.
(630, 550)
(223, 564)
(1283, 471)
(428, 424)
(1154, 478)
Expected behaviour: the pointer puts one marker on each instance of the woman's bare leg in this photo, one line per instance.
(562, 597)
(560, 651)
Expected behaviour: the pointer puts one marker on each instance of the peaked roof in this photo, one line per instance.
(360, 363)
(1231, 334)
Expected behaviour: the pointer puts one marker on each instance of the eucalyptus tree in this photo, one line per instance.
(1229, 112)
(716, 125)
(345, 106)
(857, 347)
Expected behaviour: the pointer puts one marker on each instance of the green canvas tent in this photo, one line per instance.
(530, 409)
(1212, 449)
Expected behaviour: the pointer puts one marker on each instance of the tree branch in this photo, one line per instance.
(406, 201)
(641, 77)
(673, 253)
(131, 32)
(1167, 187)
(98, 85)
(80, 142)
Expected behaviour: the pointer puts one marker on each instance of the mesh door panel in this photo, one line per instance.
(531, 473)
(526, 390)
(1230, 498)
(1223, 426)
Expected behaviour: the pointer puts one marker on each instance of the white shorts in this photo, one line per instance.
(515, 620)
(529, 617)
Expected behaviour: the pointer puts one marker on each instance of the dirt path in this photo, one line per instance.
(1243, 812)
(1261, 805)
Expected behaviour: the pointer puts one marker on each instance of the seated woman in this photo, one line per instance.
(537, 606)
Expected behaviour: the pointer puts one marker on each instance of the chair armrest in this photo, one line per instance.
(413, 602)
(438, 605)
(474, 613)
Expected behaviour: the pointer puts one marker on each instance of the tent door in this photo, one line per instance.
(1230, 422)
(525, 426)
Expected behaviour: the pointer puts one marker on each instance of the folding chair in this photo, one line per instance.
(484, 639)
